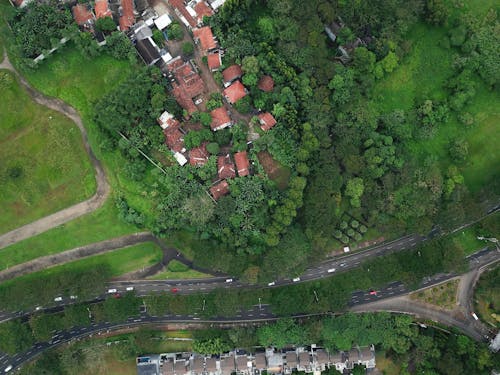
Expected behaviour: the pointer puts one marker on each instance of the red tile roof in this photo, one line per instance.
(127, 18)
(81, 14)
(214, 61)
(225, 167)
(231, 73)
(188, 84)
(202, 9)
(242, 163)
(267, 121)
(204, 34)
(179, 5)
(102, 9)
(174, 139)
(217, 191)
(266, 83)
(235, 92)
(198, 156)
(220, 118)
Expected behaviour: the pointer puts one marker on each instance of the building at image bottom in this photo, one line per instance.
(306, 359)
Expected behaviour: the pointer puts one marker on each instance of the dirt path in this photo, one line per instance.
(72, 212)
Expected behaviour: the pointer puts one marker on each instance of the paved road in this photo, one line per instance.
(72, 212)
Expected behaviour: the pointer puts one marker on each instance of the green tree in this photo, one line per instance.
(119, 46)
(282, 333)
(105, 24)
(196, 138)
(211, 346)
(250, 65)
(158, 38)
(175, 31)
(187, 48)
(436, 12)
(213, 148)
(354, 189)
(15, 337)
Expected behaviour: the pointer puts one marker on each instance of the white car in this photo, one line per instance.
(330, 270)
(229, 280)
(343, 264)
(38, 308)
(129, 288)
(8, 368)
(296, 279)
(346, 249)
(73, 297)
(58, 299)
(111, 290)
(272, 283)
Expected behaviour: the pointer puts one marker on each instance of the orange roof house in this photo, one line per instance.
(187, 85)
(181, 8)
(267, 121)
(232, 73)
(82, 14)
(225, 167)
(220, 189)
(205, 38)
(242, 163)
(102, 9)
(198, 156)
(203, 10)
(214, 61)
(167, 120)
(174, 139)
(220, 119)
(266, 84)
(127, 18)
(235, 92)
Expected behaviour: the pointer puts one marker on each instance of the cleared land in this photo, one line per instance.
(443, 295)
(178, 270)
(422, 75)
(487, 296)
(43, 164)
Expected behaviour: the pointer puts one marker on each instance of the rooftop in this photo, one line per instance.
(127, 18)
(198, 156)
(267, 121)
(231, 73)
(203, 10)
(225, 167)
(174, 139)
(235, 92)
(148, 50)
(220, 119)
(217, 191)
(101, 9)
(82, 14)
(206, 38)
(242, 163)
(214, 61)
(181, 7)
(266, 83)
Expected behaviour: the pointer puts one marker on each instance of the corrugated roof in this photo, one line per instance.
(231, 73)
(242, 163)
(235, 92)
(206, 37)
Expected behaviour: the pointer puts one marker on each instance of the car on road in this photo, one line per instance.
(58, 299)
(174, 290)
(8, 368)
(229, 280)
(330, 270)
(373, 292)
(474, 316)
(38, 308)
(111, 290)
(272, 283)
(297, 279)
(129, 288)
(343, 264)
(73, 297)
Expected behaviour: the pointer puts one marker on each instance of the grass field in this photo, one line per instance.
(120, 261)
(100, 225)
(178, 270)
(443, 295)
(43, 164)
(386, 365)
(421, 76)
(487, 296)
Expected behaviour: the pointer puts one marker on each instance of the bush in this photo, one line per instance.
(175, 31)
(362, 228)
(187, 48)
(343, 225)
(243, 105)
(213, 148)
(105, 24)
(355, 224)
(350, 232)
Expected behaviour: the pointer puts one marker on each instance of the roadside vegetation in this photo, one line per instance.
(443, 296)
(178, 270)
(487, 297)
(43, 164)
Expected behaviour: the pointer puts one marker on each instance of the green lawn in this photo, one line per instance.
(178, 270)
(43, 164)
(421, 75)
(120, 261)
(100, 225)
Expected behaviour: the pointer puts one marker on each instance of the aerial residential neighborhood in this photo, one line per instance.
(249, 187)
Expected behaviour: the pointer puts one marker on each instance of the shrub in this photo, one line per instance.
(187, 48)
(213, 148)
(362, 228)
(355, 224)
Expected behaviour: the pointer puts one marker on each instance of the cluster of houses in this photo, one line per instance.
(309, 360)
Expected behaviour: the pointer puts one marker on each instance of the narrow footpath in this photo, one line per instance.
(72, 212)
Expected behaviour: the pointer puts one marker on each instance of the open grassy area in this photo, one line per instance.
(443, 295)
(178, 270)
(100, 225)
(43, 164)
(487, 297)
(386, 365)
(422, 75)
